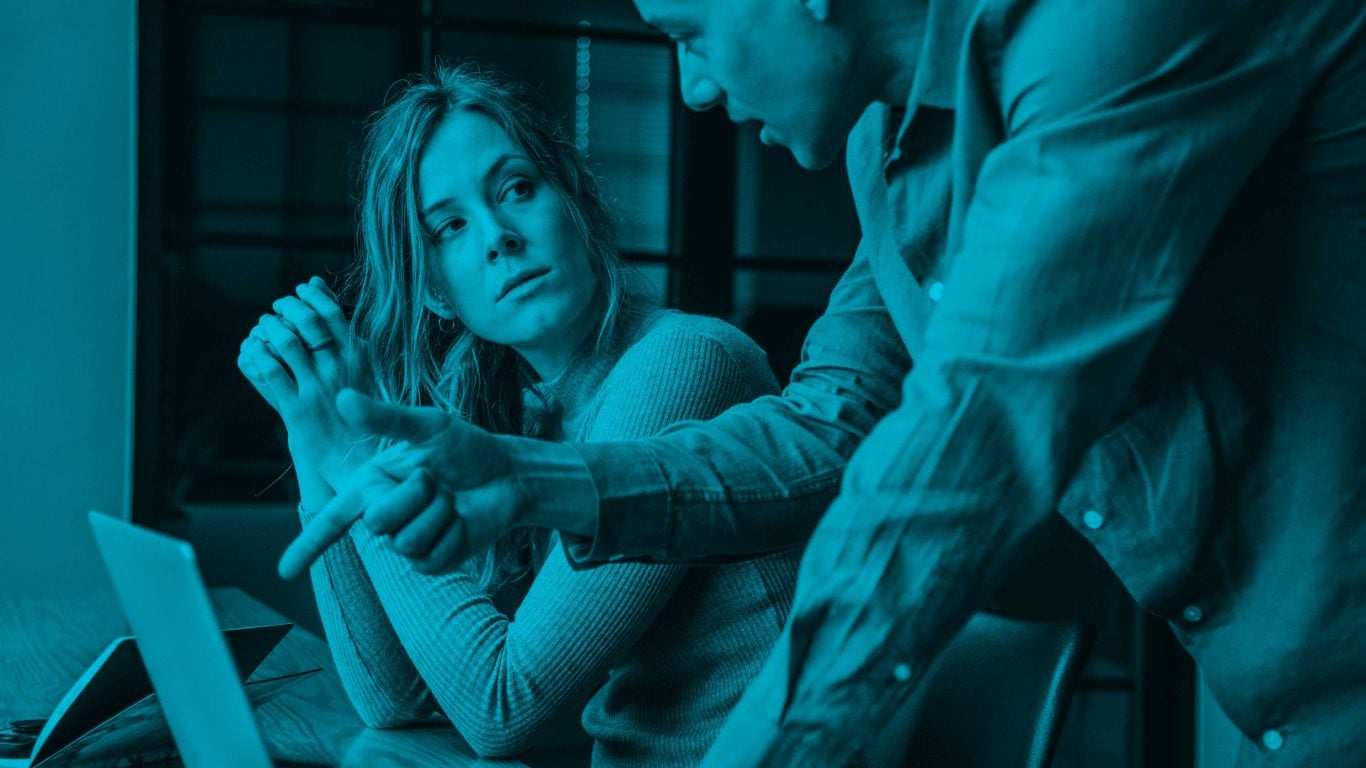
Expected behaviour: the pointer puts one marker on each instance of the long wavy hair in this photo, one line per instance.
(417, 361)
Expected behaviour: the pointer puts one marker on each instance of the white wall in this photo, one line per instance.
(67, 227)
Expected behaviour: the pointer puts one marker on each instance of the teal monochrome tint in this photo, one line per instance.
(659, 653)
(1150, 223)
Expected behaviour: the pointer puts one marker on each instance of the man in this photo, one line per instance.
(1123, 245)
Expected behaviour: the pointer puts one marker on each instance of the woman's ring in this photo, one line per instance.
(321, 345)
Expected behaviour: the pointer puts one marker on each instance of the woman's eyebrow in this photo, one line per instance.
(493, 170)
(502, 161)
(434, 207)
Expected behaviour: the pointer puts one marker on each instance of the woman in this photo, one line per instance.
(489, 286)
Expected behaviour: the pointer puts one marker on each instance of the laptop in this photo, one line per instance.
(163, 596)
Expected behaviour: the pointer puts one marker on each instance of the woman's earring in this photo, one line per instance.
(444, 324)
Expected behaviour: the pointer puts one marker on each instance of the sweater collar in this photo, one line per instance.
(554, 408)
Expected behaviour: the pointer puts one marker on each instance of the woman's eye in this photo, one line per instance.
(450, 228)
(519, 189)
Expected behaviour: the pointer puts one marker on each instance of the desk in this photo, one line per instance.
(47, 642)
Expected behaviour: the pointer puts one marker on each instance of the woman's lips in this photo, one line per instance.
(521, 279)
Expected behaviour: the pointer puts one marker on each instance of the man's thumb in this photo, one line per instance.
(388, 420)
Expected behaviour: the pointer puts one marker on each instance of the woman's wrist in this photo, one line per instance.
(314, 490)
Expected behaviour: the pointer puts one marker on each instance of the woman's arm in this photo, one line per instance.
(379, 678)
(301, 386)
(501, 680)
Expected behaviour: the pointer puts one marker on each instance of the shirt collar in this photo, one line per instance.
(563, 400)
(936, 74)
(936, 71)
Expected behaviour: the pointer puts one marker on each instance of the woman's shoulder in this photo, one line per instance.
(691, 353)
(680, 367)
(672, 331)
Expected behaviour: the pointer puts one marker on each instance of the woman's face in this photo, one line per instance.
(506, 258)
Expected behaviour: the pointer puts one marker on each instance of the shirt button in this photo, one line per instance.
(936, 291)
(1193, 614)
(1092, 519)
(1273, 739)
(901, 672)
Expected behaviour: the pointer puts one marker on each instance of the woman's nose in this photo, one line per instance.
(506, 243)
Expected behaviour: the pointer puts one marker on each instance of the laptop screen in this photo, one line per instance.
(159, 587)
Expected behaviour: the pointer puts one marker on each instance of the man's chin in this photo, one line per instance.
(811, 160)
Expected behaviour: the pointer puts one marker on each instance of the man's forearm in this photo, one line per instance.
(754, 480)
(737, 495)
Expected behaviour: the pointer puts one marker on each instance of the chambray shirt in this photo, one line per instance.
(1125, 246)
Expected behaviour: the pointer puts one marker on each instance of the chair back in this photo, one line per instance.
(995, 697)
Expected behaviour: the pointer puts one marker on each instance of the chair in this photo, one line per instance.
(995, 698)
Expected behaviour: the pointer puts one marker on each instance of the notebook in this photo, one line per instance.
(199, 686)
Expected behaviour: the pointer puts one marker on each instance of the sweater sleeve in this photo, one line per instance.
(501, 679)
(375, 671)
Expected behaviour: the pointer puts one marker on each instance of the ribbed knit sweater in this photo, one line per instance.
(659, 653)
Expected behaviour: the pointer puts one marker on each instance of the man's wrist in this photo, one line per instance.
(553, 486)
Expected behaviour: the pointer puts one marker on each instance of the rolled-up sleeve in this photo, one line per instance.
(757, 477)
(1124, 131)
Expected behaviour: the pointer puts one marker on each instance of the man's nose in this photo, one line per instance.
(700, 92)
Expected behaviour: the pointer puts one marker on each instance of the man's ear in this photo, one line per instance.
(439, 306)
(819, 9)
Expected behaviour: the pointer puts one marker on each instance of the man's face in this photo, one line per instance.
(770, 61)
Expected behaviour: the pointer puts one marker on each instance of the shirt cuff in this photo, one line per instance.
(631, 495)
(554, 476)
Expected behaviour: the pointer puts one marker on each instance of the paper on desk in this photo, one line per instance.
(117, 680)
(140, 734)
